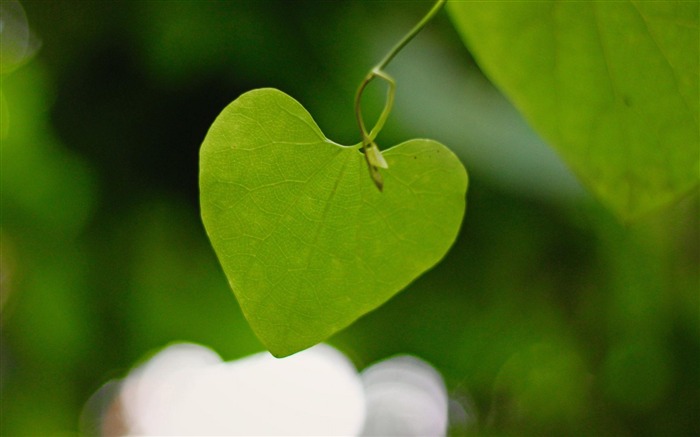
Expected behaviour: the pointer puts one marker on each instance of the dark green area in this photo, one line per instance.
(547, 313)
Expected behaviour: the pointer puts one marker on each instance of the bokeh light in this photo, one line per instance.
(405, 397)
(18, 43)
(187, 390)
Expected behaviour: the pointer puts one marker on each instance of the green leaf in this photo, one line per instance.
(613, 86)
(306, 240)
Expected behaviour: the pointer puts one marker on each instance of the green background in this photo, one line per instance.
(547, 316)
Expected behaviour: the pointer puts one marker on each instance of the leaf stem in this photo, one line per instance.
(409, 36)
(373, 155)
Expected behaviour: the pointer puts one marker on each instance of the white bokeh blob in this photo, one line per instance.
(405, 397)
(187, 390)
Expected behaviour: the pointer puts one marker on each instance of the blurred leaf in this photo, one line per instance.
(637, 374)
(306, 240)
(4, 116)
(51, 319)
(612, 85)
(544, 386)
(44, 185)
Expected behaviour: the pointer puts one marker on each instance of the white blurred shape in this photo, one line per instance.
(153, 394)
(463, 417)
(17, 42)
(405, 397)
(102, 413)
(187, 390)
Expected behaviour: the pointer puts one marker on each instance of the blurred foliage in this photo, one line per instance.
(613, 86)
(547, 313)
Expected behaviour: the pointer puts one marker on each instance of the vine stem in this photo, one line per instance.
(373, 155)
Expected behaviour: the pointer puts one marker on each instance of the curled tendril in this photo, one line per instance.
(373, 155)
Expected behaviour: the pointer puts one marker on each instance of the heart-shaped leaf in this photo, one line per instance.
(306, 240)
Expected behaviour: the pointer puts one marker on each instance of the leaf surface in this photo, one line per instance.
(307, 242)
(613, 86)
